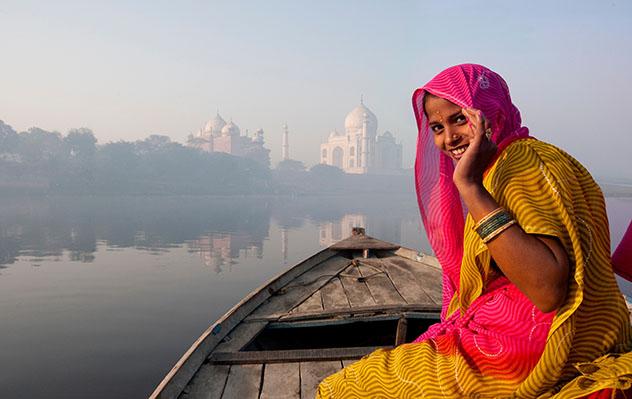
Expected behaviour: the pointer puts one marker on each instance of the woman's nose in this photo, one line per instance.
(451, 137)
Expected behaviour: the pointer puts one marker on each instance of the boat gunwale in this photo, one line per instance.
(265, 292)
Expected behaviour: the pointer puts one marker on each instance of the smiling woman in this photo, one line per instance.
(531, 308)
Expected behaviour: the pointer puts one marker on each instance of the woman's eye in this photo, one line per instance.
(461, 119)
(436, 128)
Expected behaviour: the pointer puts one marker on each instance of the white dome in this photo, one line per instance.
(231, 129)
(355, 118)
(215, 125)
(388, 134)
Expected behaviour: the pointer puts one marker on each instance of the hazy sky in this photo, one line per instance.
(130, 69)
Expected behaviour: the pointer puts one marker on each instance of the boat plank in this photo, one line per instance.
(357, 291)
(244, 381)
(334, 296)
(411, 254)
(312, 304)
(381, 287)
(291, 355)
(207, 383)
(312, 373)
(302, 287)
(281, 380)
(430, 309)
(407, 282)
(428, 278)
(241, 336)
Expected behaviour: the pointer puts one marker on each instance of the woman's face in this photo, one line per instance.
(448, 125)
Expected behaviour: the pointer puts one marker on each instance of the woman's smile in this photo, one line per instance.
(457, 153)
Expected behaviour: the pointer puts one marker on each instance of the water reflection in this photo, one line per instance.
(219, 250)
(219, 230)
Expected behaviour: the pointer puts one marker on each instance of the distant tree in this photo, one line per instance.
(79, 168)
(322, 170)
(290, 165)
(42, 153)
(8, 138)
(81, 143)
(153, 143)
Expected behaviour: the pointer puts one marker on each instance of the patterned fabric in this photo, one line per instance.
(466, 85)
(492, 342)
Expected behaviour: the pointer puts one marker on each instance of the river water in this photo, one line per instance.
(99, 297)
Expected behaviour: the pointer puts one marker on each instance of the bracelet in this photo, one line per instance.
(493, 224)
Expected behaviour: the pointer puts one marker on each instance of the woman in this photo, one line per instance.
(531, 307)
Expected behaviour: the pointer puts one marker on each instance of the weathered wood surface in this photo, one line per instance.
(380, 285)
(361, 310)
(292, 355)
(241, 336)
(302, 287)
(244, 381)
(404, 279)
(427, 279)
(312, 373)
(314, 303)
(357, 291)
(334, 296)
(411, 254)
(208, 382)
(402, 329)
(281, 381)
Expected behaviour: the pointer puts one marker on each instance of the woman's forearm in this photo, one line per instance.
(537, 265)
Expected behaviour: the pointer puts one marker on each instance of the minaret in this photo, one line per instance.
(285, 146)
(365, 143)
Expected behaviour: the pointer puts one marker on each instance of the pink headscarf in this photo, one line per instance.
(443, 214)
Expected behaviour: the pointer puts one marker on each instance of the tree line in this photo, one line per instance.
(40, 161)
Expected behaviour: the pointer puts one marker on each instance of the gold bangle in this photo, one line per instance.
(499, 230)
(488, 216)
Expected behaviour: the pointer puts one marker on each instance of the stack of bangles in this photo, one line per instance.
(494, 223)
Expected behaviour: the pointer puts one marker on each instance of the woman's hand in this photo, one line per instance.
(469, 169)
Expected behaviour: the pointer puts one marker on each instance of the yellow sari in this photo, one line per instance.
(549, 193)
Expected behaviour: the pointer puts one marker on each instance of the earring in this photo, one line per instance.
(488, 133)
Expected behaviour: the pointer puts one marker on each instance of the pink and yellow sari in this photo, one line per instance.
(492, 341)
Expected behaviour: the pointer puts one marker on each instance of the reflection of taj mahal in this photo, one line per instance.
(387, 228)
(332, 232)
(218, 250)
(359, 149)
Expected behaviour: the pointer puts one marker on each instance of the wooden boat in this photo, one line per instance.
(280, 341)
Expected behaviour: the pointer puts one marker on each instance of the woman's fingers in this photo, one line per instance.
(479, 125)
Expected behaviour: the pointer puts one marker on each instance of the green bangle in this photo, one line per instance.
(490, 226)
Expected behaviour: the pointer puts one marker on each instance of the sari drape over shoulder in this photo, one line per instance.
(492, 341)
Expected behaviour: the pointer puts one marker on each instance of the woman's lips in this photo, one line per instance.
(458, 152)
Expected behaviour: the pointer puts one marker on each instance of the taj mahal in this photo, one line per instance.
(360, 150)
(218, 136)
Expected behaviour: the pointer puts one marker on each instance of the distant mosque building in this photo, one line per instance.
(219, 136)
(359, 149)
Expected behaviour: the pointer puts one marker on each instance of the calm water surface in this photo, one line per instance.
(100, 296)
